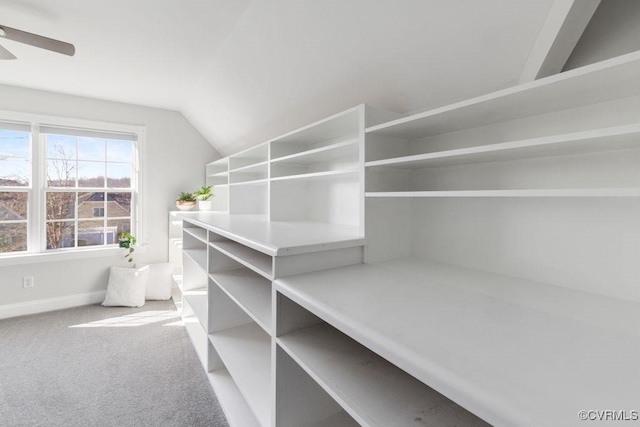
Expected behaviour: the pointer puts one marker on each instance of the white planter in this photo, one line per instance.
(205, 205)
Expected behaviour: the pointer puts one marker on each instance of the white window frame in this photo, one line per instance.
(36, 216)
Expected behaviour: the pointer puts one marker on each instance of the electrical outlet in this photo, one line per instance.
(27, 282)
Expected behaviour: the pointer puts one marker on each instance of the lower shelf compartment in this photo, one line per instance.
(372, 390)
(246, 352)
(197, 300)
(233, 404)
(198, 338)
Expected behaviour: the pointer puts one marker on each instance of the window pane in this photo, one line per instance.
(118, 204)
(90, 205)
(115, 227)
(61, 173)
(119, 175)
(90, 174)
(61, 205)
(61, 147)
(90, 233)
(60, 235)
(14, 143)
(90, 149)
(14, 171)
(13, 206)
(119, 151)
(13, 237)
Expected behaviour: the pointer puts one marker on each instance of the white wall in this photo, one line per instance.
(614, 30)
(174, 158)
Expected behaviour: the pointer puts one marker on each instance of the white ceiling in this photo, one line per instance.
(243, 71)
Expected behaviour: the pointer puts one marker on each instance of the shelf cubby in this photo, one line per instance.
(249, 291)
(217, 167)
(197, 232)
(246, 353)
(198, 302)
(250, 258)
(372, 391)
(249, 157)
(332, 152)
(249, 174)
(233, 404)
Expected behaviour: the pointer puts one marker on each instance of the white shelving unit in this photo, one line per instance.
(270, 233)
(501, 244)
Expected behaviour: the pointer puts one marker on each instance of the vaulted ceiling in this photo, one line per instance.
(242, 71)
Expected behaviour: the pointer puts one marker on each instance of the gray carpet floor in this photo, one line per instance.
(103, 366)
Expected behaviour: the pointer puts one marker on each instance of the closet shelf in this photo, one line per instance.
(249, 291)
(198, 301)
(279, 238)
(250, 258)
(199, 256)
(198, 233)
(332, 127)
(511, 351)
(224, 173)
(251, 182)
(373, 391)
(233, 404)
(318, 175)
(615, 78)
(321, 154)
(249, 168)
(578, 192)
(246, 353)
(605, 139)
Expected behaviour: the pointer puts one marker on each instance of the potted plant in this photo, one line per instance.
(203, 195)
(127, 241)
(186, 202)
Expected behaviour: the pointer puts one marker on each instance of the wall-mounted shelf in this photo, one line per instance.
(578, 192)
(327, 153)
(600, 82)
(614, 138)
(317, 176)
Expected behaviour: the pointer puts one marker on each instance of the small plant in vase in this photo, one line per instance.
(127, 241)
(203, 195)
(186, 201)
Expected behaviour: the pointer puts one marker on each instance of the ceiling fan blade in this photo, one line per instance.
(37, 41)
(5, 54)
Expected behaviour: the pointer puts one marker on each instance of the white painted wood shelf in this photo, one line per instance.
(198, 233)
(198, 301)
(251, 292)
(479, 339)
(199, 256)
(373, 391)
(279, 238)
(233, 404)
(615, 78)
(604, 139)
(316, 176)
(322, 154)
(250, 258)
(246, 353)
(551, 192)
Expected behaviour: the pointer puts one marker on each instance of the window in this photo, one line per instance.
(15, 180)
(66, 187)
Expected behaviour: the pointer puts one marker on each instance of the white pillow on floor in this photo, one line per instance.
(126, 287)
(159, 282)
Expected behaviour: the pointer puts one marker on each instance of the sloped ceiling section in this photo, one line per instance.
(244, 71)
(291, 62)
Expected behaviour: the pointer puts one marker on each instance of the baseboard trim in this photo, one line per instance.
(50, 304)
